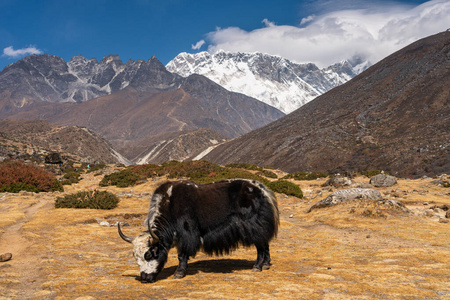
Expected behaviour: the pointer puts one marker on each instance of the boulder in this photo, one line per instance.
(346, 195)
(338, 180)
(383, 180)
(53, 158)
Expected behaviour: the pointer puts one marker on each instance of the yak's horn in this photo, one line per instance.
(153, 235)
(123, 236)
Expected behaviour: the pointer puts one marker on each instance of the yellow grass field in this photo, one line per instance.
(356, 250)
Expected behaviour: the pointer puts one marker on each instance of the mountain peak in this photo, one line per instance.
(272, 79)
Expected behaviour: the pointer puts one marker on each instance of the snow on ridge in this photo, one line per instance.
(271, 79)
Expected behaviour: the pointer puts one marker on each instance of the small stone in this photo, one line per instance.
(104, 223)
(441, 220)
(5, 257)
(447, 215)
(291, 216)
(425, 203)
(368, 236)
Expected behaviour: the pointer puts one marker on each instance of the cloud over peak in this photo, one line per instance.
(371, 32)
(10, 52)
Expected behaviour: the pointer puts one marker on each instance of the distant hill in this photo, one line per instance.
(35, 139)
(395, 116)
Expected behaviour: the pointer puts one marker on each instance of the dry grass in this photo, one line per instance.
(340, 252)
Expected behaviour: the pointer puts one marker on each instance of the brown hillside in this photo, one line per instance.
(394, 116)
(38, 138)
(128, 117)
(351, 251)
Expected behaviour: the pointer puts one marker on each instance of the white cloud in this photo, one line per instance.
(307, 19)
(198, 45)
(373, 32)
(268, 23)
(10, 52)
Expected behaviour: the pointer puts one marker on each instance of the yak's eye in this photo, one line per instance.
(148, 255)
(152, 253)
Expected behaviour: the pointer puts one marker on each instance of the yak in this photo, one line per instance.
(216, 217)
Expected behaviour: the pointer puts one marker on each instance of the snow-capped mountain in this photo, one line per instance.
(271, 79)
(49, 78)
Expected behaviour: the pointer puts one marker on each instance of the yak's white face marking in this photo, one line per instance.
(140, 246)
(169, 191)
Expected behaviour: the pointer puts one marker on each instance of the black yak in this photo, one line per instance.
(216, 217)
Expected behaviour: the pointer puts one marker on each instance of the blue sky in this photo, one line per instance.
(321, 31)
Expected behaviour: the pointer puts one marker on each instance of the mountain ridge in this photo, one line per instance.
(151, 102)
(393, 117)
(272, 79)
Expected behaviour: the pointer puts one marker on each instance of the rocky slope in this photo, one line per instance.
(35, 139)
(394, 116)
(271, 79)
(51, 79)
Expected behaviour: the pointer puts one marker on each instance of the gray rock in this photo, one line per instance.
(383, 180)
(347, 195)
(338, 180)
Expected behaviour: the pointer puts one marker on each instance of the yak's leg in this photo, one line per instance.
(257, 267)
(266, 262)
(182, 266)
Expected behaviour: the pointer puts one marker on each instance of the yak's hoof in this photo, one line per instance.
(256, 269)
(178, 275)
(266, 266)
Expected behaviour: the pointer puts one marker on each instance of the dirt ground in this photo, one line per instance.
(356, 250)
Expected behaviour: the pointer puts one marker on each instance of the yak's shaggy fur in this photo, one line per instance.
(216, 217)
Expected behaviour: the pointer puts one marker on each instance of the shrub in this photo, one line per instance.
(95, 168)
(285, 187)
(17, 187)
(124, 178)
(268, 174)
(93, 199)
(245, 166)
(70, 178)
(306, 175)
(446, 184)
(229, 173)
(16, 175)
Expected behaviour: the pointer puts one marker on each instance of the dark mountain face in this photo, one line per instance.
(394, 116)
(49, 78)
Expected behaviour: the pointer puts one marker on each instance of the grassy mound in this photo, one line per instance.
(93, 199)
(200, 172)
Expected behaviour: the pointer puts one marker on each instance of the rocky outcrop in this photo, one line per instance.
(383, 180)
(347, 195)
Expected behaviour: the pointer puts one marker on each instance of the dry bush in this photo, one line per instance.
(16, 174)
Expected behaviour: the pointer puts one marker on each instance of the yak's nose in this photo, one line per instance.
(147, 278)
